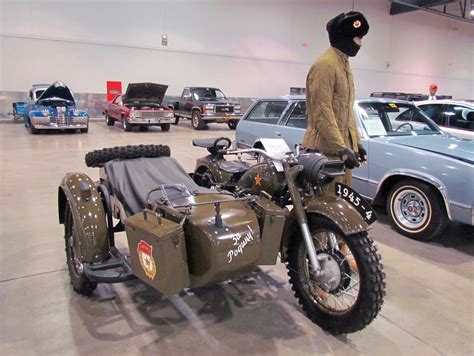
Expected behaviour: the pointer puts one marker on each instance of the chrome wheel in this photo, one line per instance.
(416, 209)
(411, 208)
(197, 122)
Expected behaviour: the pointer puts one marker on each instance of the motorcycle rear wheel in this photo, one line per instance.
(358, 289)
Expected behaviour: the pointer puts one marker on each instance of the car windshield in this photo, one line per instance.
(39, 92)
(395, 119)
(207, 93)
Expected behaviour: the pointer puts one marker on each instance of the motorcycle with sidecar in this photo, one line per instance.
(184, 235)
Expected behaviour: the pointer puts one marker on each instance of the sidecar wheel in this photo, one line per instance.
(97, 158)
(79, 281)
(352, 291)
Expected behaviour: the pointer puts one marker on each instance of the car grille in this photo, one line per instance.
(60, 117)
(152, 115)
(225, 109)
(61, 120)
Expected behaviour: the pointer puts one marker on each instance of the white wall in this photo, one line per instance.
(246, 47)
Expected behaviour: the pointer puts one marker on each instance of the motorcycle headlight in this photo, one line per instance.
(318, 169)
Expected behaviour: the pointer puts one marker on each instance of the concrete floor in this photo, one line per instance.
(428, 309)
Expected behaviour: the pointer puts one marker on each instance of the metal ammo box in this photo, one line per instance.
(271, 219)
(158, 251)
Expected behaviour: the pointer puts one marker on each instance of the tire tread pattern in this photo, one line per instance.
(97, 158)
(372, 288)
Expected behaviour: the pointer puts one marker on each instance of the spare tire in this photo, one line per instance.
(97, 158)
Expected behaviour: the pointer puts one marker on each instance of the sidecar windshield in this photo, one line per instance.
(170, 194)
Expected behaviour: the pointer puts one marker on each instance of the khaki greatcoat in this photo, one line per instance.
(329, 101)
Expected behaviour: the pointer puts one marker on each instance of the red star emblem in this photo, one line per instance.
(258, 179)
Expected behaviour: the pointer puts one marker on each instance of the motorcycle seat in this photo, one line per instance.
(207, 143)
(233, 166)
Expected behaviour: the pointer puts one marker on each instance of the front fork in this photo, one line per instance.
(291, 174)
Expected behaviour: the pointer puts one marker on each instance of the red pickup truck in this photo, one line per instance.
(140, 106)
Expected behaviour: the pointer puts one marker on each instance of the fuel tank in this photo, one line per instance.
(263, 176)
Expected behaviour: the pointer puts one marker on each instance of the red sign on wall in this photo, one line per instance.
(113, 89)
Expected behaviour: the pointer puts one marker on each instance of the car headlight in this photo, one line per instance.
(45, 112)
(208, 107)
(76, 112)
(135, 114)
(237, 108)
(169, 114)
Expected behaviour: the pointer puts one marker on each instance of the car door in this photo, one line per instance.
(114, 110)
(360, 175)
(435, 112)
(459, 120)
(293, 125)
(260, 122)
(186, 102)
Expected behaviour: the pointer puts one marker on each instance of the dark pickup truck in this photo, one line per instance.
(203, 105)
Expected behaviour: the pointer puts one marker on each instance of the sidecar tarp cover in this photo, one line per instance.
(130, 180)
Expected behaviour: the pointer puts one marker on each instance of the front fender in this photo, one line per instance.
(337, 210)
(88, 214)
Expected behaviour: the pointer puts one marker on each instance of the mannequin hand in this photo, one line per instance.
(362, 153)
(350, 158)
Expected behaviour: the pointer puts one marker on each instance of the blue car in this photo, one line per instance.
(54, 108)
(422, 176)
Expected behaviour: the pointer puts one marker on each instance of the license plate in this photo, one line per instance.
(356, 200)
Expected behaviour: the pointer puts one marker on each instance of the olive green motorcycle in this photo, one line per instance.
(333, 265)
(182, 235)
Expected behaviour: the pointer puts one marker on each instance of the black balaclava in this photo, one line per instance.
(343, 28)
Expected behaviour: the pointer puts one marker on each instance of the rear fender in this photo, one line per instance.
(337, 210)
(88, 214)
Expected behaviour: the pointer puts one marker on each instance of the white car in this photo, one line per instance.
(454, 117)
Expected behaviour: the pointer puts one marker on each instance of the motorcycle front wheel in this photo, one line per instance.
(350, 293)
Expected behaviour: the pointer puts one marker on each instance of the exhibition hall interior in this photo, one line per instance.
(237, 177)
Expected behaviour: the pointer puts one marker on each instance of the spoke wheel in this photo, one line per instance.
(79, 281)
(416, 211)
(350, 293)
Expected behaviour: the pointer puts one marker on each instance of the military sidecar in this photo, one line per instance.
(180, 235)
